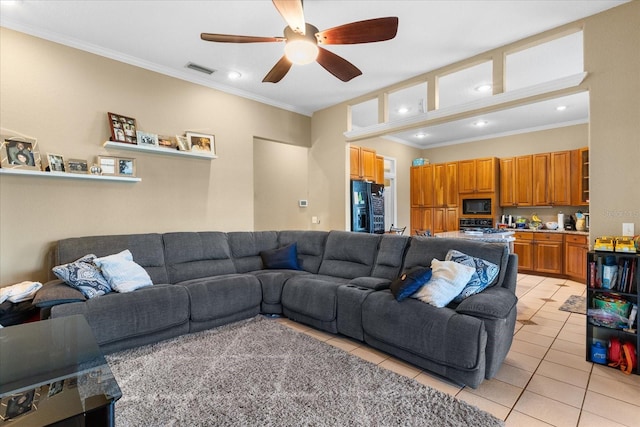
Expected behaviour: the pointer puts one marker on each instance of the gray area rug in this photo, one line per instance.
(260, 373)
(575, 304)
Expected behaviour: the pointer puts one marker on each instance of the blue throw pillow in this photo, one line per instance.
(83, 275)
(484, 276)
(285, 257)
(410, 282)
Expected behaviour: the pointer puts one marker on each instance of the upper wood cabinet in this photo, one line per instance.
(362, 162)
(451, 185)
(580, 177)
(515, 181)
(552, 179)
(477, 175)
(379, 170)
(541, 176)
(422, 186)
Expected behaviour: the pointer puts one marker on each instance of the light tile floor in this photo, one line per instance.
(545, 379)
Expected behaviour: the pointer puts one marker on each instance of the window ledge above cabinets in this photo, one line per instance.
(500, 101)
(159, 150)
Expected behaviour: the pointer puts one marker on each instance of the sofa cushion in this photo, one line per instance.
(448, 278)
(147, 250)
(423, 249)
(349, 255)
(246, 247)
(83, 275)
(314, 296)
(390, 256)
(191, 255)
(310, 246)
(122, 273)
(285, 257)
(222, 296)
(485, 273)
(438, 334)
(57, 292)
(410, 282)
(115, 316)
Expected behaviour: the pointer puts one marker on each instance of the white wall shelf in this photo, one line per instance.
(158, 150)
(67, 175)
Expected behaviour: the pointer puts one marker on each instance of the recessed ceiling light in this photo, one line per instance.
(421, 135)
(561, 107)
(403, 110)
(480, 123)
(483, 88)
(234, 75)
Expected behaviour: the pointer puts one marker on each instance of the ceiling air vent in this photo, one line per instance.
(200, 68)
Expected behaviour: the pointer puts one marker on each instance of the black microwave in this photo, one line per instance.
(476, 206)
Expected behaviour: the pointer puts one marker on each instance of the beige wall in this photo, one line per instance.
(61, 96)
(279, 181)
(612, 60)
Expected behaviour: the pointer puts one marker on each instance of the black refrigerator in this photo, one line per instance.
(367, 207)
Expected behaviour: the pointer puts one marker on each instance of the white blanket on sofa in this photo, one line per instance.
(19, 292)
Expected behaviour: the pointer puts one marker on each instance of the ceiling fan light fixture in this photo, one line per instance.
(301, 52)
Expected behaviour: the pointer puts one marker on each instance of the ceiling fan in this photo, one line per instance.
(303, 40)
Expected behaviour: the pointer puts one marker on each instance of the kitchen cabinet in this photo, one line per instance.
(552, 179)
(444, 219)
(580, 177)
(445, 185)
(576, 248)
(539, 252)
(362, 162)
(478, 175)
(434, 197)
(379, 173)
(516, 187)
(421, 220)
(422, 186)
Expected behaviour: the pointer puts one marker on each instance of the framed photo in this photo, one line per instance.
(55, 162)
(126, 167)
(183, 143)
(19, 152)
(77, 166)
(123, 129)
(19, 403)
(201, 142)
(170, 142)
(147, 139)
(108, 165)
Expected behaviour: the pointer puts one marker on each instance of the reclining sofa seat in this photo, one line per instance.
(466, 342)
(145, 316)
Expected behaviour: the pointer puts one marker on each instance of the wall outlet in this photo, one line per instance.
(627, 229)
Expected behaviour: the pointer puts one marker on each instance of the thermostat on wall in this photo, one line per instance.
(303, 203)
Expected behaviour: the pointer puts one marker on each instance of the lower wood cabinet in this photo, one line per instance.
(576, 248)
(539, 252)
(436, 220)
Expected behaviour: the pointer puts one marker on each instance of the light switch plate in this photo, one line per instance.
(627, 229)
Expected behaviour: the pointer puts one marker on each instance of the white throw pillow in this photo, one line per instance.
(122, 273)
(447, 280)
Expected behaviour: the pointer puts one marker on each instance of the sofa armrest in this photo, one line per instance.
(375, 283)
(56, 292)
(492, 303)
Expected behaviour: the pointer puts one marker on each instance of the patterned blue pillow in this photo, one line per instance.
(83, 275)
(410, 282)
(484, 276)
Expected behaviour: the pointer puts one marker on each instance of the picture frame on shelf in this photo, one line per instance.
(126, 166)
(147, 139)
(55, 163)
(19, 152)
(183, 143)
(201, 142)
(77, 166)
(166, 141)
(123, 128)
(108, 165)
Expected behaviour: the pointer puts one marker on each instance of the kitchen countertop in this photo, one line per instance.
(505, 237)
(580, 233)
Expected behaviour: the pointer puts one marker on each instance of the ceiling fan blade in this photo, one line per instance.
(278, 71)
(368, 31)
(291, 11)
(229, 38)
(336, 65)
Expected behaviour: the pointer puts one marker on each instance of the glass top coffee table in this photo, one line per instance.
(52, 372)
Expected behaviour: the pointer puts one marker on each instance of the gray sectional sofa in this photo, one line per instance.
(207, 279)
